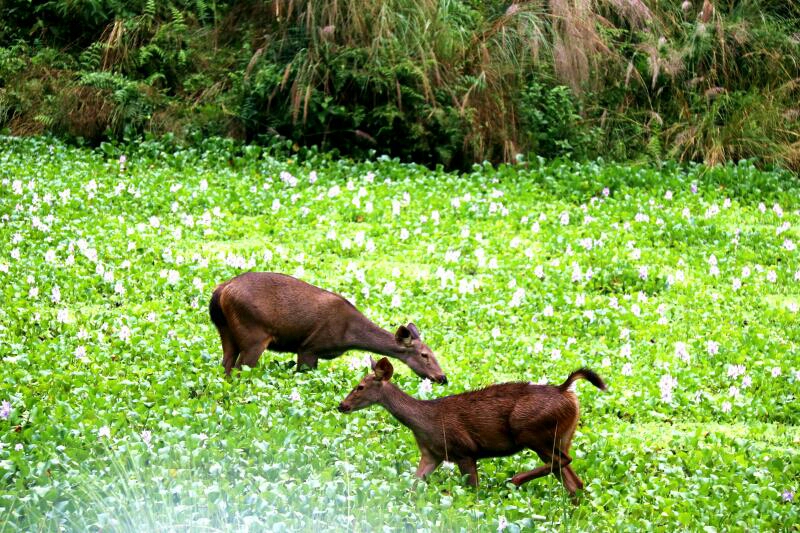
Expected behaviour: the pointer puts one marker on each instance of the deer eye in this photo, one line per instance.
(360, 387)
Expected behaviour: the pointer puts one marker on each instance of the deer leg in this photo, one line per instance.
(229, 350)
(252, 353)
(305, 360)
(426, 466)
(569, 472)
(469, 466)
(524, 477)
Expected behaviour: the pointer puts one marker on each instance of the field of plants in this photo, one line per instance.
(680, 287)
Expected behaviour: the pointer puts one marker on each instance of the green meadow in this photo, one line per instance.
(680, 286)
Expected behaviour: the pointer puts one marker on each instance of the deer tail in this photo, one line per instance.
(583, 373)
(215, 309)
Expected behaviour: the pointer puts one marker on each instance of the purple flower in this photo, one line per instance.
(788, 495)
(5, 410)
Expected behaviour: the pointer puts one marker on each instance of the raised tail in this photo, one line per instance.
(215, 309)
(583, 373)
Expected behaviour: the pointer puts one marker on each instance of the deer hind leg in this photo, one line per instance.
(524, 477)
(556, 463)
(469, 467)
(249, 356)
(305, 360)
(230, 351)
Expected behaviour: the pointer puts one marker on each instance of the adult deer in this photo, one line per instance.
(496, 421)
(264, 310)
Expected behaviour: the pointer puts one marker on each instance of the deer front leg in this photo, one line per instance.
(469, 467)
(305, 360)
(427, 465)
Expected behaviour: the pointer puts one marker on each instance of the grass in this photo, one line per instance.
(121, 418)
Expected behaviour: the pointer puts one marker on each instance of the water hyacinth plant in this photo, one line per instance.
(115, 412)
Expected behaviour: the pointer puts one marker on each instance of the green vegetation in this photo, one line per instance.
(115, 413)
(435, 82)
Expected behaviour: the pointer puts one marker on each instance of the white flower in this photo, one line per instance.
(203, 437)
(564, 218)
(312, 177)
(726, 407)
(404, 234)
(517, 297)
(736, 284)
(668, 195)
(155, 222)
(548, 310)
(539, 271)
(425, 387)
(146, 436)
(772, 277)
(627, 369)
(396, 301)
(666, 384)
(451, 256)
(777, 210)
(555, 354)
(334, 191)
(682, 351)
(775, 372)
(712, 347)
(19, 447)
(80, 353)
(124, 333)
(496, 332)
(294, 396)
(746, 382)
(276, 205)
(173, 276)
(502, 523)
(203, 185)
(625, 351)
(389, 288)
(62, 316)
(789, 245)
(104, 431)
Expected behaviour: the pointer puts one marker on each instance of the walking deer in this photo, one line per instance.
(263, 310)
(497, 421)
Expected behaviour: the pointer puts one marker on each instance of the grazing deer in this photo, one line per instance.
(496, 421)
(260, 310)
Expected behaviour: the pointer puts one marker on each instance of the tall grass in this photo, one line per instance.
(439, 81)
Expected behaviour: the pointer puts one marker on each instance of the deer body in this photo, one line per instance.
(262, 310)
(497, 421)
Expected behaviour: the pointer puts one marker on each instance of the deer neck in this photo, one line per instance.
(417, 415)
(372, 338)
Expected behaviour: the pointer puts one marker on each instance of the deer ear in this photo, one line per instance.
(414, 330)
(403, 334)
(384, 370)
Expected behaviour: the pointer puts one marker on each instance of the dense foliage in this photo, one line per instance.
(680, 287)
(431, 81)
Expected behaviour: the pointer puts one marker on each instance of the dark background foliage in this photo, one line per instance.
(438, 82)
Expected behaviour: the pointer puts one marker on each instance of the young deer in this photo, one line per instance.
(260, 310)
(496, 421)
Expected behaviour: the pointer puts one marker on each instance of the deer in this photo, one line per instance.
(495, 421)
(257, 311)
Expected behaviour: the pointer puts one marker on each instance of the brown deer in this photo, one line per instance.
(260, 310)
(496, 421)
